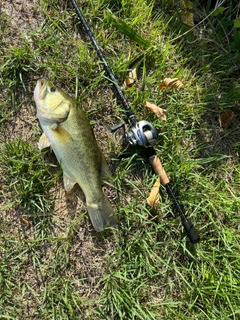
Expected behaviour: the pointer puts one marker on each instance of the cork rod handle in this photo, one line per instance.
(158, 169)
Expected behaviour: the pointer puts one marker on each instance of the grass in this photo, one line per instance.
(53, 264)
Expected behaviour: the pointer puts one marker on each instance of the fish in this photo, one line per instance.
(68, 132)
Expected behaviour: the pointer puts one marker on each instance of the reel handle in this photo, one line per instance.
(116, 127)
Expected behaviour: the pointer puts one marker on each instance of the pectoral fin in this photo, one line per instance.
(68, 182)
(61, 134)
(43, 142)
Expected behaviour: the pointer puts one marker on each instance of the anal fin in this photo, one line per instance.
(68, 182)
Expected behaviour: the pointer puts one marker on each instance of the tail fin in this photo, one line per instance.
(101, 214)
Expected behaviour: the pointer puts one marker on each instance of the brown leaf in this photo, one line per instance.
(132, 76)
(159, 112)
(170, 83)
(227, 118)
(187, 18)
(153, 199)
(25, 222)
(187, 4)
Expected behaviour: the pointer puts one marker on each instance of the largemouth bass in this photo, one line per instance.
(68, 132)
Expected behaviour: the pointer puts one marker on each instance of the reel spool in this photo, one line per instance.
(142, 133)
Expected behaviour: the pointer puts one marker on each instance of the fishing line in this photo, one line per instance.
(141, 133)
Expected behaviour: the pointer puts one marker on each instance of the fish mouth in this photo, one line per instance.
(40, 89)
(40, 93)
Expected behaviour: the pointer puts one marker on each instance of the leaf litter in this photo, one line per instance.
(159, 112)
(153, 199)
(170, 83)
(227, 118)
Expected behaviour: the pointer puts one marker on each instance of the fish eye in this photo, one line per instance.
(52, 89)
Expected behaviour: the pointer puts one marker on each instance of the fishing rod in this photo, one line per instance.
(141, 133)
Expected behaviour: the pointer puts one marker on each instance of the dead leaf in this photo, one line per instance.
(187, 18)
(25, 222)
(187, 4)
(170, 83)
(153, 199)
(132, 76)
(159, 112)
(227, 118)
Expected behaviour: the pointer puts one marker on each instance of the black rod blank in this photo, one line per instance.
(108, 70)
(187, 224)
